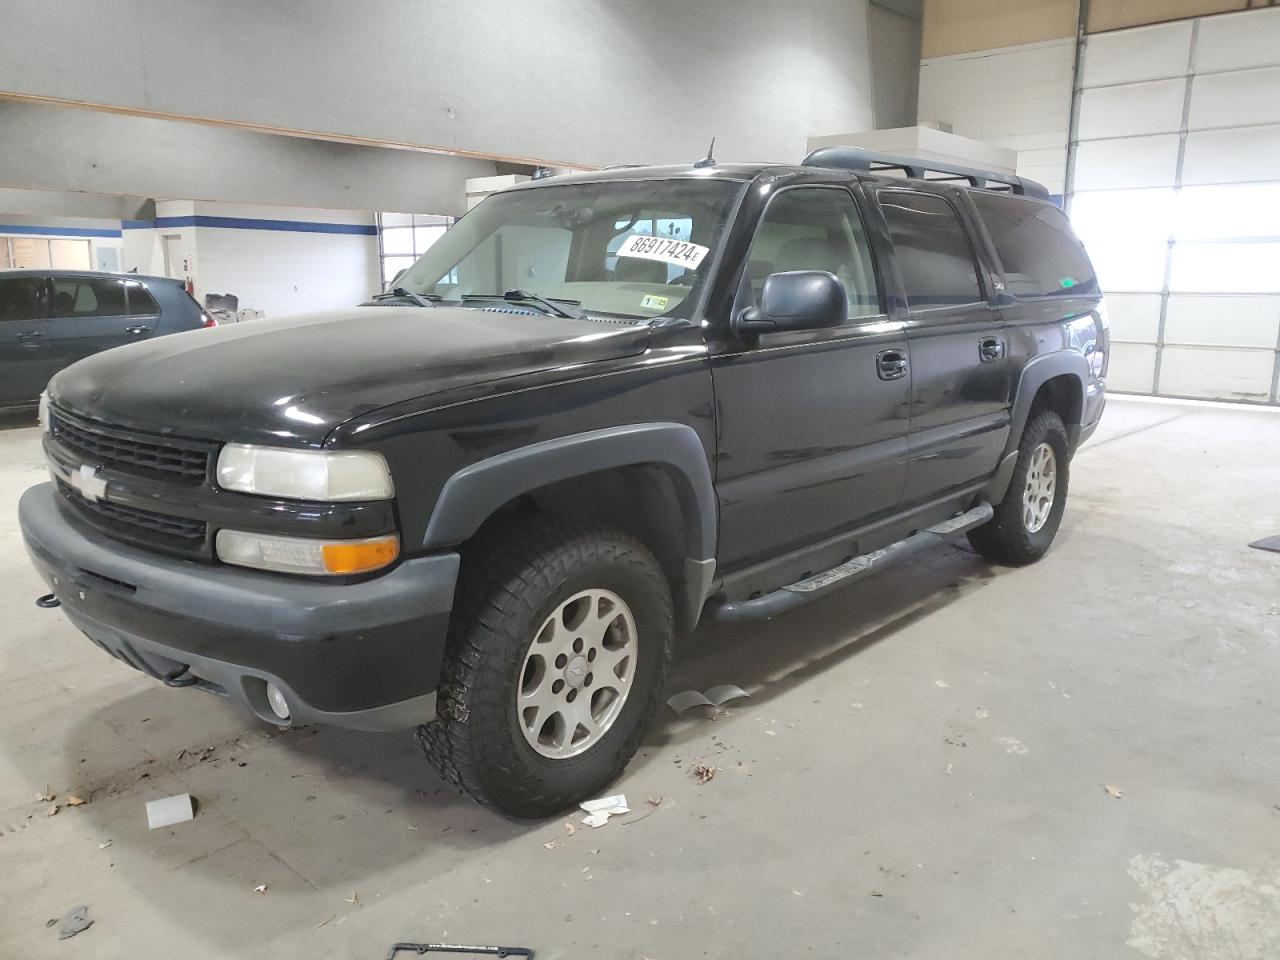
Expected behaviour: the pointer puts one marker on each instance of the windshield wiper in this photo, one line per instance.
(552, 307)
(400, 293)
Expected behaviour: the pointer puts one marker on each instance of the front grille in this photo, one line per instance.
(178, 535)
(162, 458)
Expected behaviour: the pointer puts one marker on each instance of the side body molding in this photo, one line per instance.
(472, 494)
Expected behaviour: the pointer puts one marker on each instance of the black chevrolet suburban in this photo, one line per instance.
(601, 408)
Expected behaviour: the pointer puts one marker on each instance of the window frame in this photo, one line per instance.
(744, 297)
(83, 278)
(977, 242)
(131, 289)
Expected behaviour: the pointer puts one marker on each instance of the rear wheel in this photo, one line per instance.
(557, 656)
(1027, 519)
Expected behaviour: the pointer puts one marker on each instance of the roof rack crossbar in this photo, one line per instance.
(918, 168)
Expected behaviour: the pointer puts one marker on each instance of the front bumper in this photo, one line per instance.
(365, 654)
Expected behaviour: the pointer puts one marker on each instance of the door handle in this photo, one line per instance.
(990, 349)
(136, 331)
(30, 340)
(891, 364)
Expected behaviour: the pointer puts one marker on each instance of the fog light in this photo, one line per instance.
(279, 705)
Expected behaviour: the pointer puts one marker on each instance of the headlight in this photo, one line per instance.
(304, 474)
(43, 413)
(265, 551)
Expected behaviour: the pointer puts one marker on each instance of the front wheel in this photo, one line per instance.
(557, 656)
(1027, 519)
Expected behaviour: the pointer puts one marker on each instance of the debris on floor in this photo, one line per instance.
(260, 888)
(76, 920)
(74, 801)
(51, 810)
(1114, 791)
(714, 697)
(941, 683)
(45, 797)
(600, 810)
(1267, 543)
(703, 772)
(421, 948)
(169, 810)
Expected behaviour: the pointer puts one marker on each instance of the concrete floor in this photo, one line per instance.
(920, 771)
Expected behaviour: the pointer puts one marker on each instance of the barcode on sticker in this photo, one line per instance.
(664, 249)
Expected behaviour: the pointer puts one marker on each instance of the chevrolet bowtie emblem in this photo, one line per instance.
(86, 480)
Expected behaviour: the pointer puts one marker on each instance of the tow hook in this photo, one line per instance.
(48, 602)
(175, 678)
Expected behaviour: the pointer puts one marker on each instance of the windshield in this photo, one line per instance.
(624, 248)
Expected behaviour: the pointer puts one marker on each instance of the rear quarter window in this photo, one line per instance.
(141, 302)
(1040, 254)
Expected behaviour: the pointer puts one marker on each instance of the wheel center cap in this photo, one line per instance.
(575, 671)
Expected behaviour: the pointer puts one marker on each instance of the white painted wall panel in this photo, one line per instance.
(1232, 156)
(1127, 162)
(1015, 97)
(1135, 317)
(1235, 99)
(1133, 368)
(1132, 109)
(283, 272)
(1234, 321)
(1239, 41)
(1128, 56)
(1217, 373)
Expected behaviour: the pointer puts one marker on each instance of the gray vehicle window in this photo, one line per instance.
(88, 297)
(1037, 248)
(933, 250)
(816, 228)
(22, 298)
(141, 302)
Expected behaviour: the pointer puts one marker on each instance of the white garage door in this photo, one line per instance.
(1176, 193)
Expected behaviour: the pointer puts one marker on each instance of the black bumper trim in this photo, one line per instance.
(339, 649)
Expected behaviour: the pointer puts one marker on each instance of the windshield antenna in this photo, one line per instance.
(709, 160)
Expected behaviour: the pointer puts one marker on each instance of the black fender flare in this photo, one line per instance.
(471, 495)
(1039, 371)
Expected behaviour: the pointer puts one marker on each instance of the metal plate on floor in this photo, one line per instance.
(1267, 543)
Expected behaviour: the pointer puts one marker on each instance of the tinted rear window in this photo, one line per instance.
(141, 302)
(933, 250)
(88, 297)
(1040, 255)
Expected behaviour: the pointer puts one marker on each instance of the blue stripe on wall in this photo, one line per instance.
(247, 223)
(12, 228)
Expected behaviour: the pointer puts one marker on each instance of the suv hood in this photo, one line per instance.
(295, 379)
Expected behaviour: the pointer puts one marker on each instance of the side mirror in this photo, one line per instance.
(795, 300)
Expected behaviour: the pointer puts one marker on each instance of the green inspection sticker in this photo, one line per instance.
(1066, 282)
(654, 303)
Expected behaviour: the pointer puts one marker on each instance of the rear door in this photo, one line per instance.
(959, 350)
(92, 313)
(24, 304)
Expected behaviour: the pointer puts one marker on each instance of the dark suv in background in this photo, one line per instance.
(49, 319)
(599, 408)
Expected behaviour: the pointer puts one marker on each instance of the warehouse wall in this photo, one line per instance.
(1178, 198)
(286, 260)
(895, 55)
(497, 77)
(1017, 97)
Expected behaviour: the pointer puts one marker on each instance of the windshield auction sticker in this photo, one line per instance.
(663, 249)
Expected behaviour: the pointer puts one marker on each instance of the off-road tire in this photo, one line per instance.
(510, 582)
(1005, 538)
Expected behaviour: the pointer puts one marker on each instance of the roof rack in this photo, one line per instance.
(869, 161)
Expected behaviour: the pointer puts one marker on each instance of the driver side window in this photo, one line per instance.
(816, 228)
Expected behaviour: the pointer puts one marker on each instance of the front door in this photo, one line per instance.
(812, 424)
(24, 304)
(959, 347)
